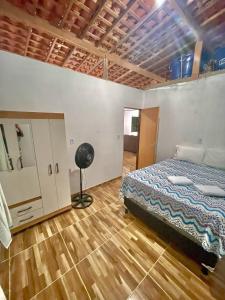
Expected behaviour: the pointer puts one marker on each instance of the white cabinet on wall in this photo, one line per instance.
(34, 170)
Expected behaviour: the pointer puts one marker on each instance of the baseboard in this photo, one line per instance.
(98, 185)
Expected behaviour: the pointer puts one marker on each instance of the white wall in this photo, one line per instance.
(190, 113)
(93, 108)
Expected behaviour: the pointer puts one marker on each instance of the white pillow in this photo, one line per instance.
(215, 158)
(188, 153)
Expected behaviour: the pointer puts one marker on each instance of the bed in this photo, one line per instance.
(180, 213)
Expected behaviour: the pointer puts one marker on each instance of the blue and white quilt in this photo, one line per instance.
(200, 217)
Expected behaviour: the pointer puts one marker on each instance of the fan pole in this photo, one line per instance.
(81, 192)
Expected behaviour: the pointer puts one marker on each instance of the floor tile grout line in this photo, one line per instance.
(128, 254)
(160, 286)
(147, 273)
(74, 265)
(4, 260)
(112, 235)
(33, 245)
(51, 283)
(81, 279)
(187, 269)
(52, 234)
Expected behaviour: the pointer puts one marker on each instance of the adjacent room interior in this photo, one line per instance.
(112, 149)
(131, 139)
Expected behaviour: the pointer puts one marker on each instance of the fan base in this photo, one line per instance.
(79, 203)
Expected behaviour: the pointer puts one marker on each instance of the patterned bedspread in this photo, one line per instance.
(200, 217)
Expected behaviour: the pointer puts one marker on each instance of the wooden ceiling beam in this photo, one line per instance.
(51, 49)
(105, 68)
(187, 18)
(136, 27)
(102, 3)
(9, 10)
(116, 72)
(116, 22)
(197, 59)
(71, 52)
(123, 75)
(167, 57)
(147, 36)
(95, 66)
(125, 64)
(28, 40)
(213, 17)
(83, 62)
(17, 14)
(157, 54)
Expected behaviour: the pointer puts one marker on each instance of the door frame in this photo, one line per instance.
(157, 133)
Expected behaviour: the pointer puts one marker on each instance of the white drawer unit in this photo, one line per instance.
(28, 217)
(25, 208)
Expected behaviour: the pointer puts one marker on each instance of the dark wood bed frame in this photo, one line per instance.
(207, 260)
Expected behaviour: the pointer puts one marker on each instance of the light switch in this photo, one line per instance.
(72, 141)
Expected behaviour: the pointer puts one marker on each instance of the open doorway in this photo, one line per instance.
(140, 138)
(130, 146)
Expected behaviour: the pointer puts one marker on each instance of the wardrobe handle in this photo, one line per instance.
(26, 219)
(25, 209)
(57, 168)
(19, 162)
(11, 164)
(49, 169)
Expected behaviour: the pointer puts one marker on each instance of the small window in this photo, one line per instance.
(134, 124)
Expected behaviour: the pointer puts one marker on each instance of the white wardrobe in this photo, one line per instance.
(34, 169)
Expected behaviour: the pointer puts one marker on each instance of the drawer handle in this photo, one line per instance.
(26, 219)
(49, 169)
(57, 168)
(25, 209)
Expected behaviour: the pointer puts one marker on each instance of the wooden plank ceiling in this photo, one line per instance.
(127, 41)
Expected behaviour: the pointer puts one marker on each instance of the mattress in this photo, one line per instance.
(200, 217)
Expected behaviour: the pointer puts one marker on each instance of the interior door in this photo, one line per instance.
(148, 132)
(61, 162)
(44, 156)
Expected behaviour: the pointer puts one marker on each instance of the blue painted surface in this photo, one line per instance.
(205, 61)
(181, 66)
(187, 64)
(175, 68)
(219, 57)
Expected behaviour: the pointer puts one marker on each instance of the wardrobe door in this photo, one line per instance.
(61, 162)
(18, 171)
(43, 150)
(8, 134)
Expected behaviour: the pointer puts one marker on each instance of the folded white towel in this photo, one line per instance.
(210, 190)
(179, 180)
(5, 221)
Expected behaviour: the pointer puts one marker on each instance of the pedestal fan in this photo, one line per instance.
(83, 158)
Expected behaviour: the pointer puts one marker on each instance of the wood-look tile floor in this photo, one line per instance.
(129, 162)
(101, 253)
